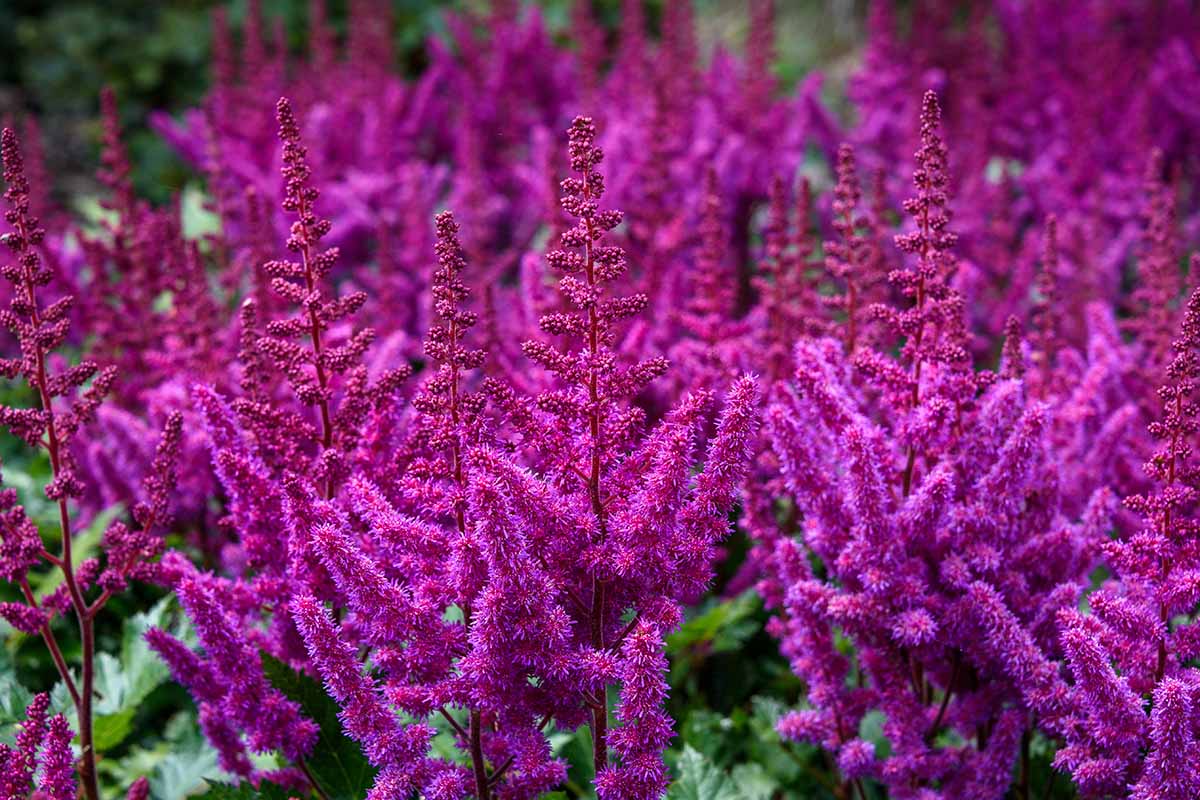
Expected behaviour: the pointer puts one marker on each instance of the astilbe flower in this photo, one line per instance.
(138, 258)
(649, 531)
(269, 456)
(849, 260)
(151, 315)
(323, 354)
(931, 535)
(787, 296)
(709, 352)
(1160, 283)
(40, 757)
(67, 400)
(231, 691)
(1138, 642)
(422, 148)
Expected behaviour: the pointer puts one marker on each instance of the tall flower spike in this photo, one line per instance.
(1137, 644)
(1159, 281)
(846, 259)
(50, 427)
(703, 359)
(1170, 772)
(385, 741)
(645, 729)
(271, 720)
(1045, 335)
(933, 327)
(311, 371)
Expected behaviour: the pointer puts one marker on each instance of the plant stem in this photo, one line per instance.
(478, 764)
(600, 711)
(312, 780)
(82, 698)
(314, 323)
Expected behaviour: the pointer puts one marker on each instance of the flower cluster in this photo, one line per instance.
(41, 756)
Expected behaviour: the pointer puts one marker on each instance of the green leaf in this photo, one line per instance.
(14, 699)
(575, 747)
(700, 780)
(178, 764)
(871, 729)
(337, 763)
(244, 791)
(753, 782)
(723, 628)
(123, 683)
(109, 730)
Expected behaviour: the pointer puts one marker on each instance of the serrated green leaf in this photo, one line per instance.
(337, 763)
(753, 782)
(700, 780)
(123, 684)
(178, 764)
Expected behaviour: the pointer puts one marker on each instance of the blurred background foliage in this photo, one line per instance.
(58, 54)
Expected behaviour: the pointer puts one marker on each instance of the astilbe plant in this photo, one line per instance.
(477, 563)
(479, 513)
(1130, 658)
(649, 532)
(931, 538)
(286, 443)
(66, 399)
(1068, 135)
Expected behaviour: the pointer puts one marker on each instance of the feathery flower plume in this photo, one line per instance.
(40, 758)
(1136, 646)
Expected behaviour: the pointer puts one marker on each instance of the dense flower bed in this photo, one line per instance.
(455, 408)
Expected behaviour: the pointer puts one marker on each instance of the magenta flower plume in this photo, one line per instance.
(270, 721)
(650, 526)
(1170, 771)
(40, 759)
(1132, 653)
(397, 748)
(915, 491)
(645, 728)
(971, 507)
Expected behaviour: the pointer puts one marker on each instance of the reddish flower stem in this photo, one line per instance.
(83, 697)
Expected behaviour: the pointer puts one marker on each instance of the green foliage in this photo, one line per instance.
(575, 747)
(244, 791)
(178, 764)
(125, 680)
(337, 763)
(699, 779)
(13, 696)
